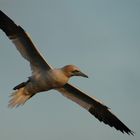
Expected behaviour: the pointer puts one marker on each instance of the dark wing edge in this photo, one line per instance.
(96, 108)
(22, 42)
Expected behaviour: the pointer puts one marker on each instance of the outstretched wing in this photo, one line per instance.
(23, 43)
(96, 108)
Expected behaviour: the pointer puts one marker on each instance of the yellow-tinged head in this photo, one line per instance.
(72, 70)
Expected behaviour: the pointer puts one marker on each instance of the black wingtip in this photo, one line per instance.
(7, 25)
(104, 115)
(130, 133)
(21, 85)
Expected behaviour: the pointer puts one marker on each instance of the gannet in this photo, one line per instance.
(45, 78)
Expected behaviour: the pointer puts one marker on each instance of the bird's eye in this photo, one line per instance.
(75, 71)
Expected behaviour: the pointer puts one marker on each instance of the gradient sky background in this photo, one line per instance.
(102, 37)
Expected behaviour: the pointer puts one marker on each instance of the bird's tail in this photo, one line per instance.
(19, 97)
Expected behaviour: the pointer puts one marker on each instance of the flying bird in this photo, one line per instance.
(45, 78)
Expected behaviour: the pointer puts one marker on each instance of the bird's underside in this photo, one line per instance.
(54, 77)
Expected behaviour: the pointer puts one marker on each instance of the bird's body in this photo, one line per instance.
(39, 82)
(45, 78)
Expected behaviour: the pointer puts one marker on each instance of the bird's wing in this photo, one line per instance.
(23, 43)
(96, 108)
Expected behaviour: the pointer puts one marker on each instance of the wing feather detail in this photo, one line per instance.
(23, 43)
(96, 108)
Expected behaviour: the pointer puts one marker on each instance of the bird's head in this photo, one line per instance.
(71, 70)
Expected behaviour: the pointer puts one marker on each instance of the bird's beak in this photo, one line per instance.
(82, 74)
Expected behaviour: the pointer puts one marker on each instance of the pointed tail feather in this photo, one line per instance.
(19, 97)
